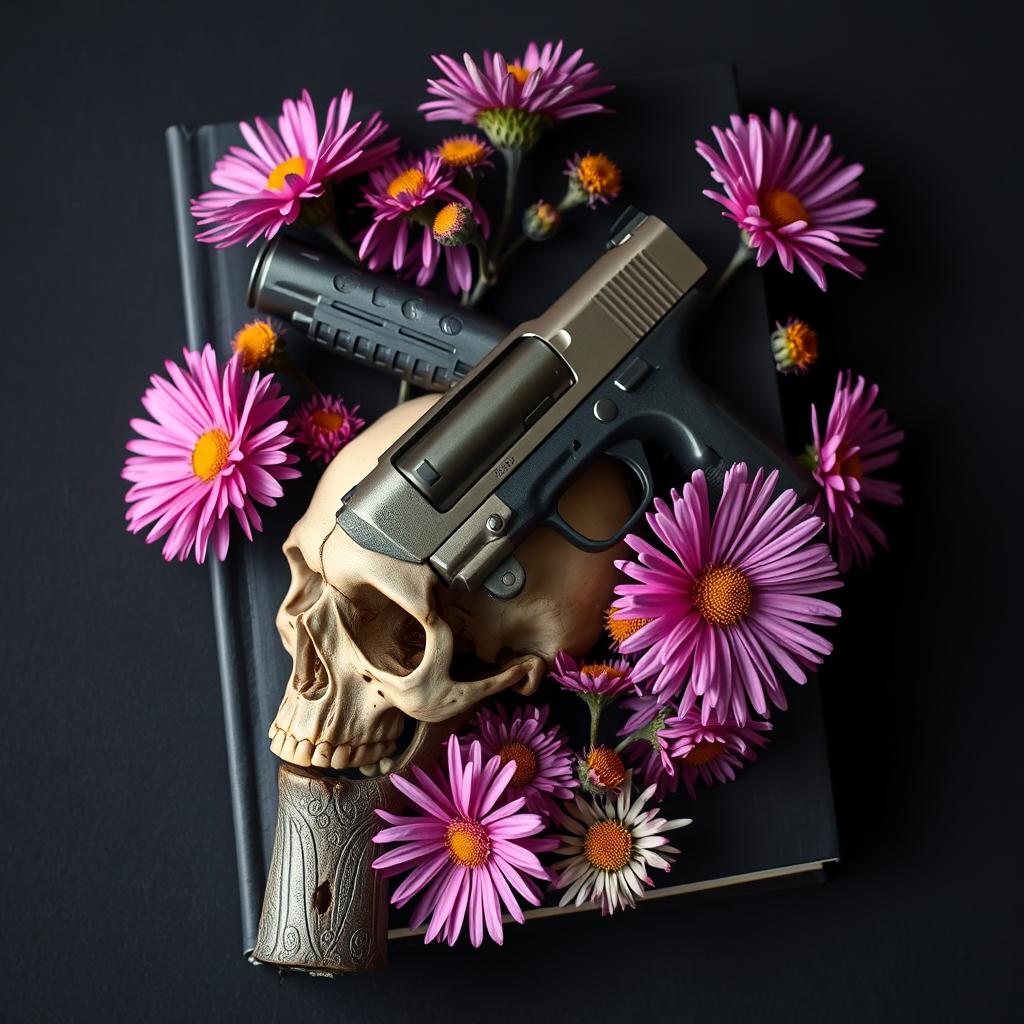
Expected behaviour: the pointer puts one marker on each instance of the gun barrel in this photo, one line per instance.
(410, 333)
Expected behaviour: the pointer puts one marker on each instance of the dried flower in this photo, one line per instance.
(732, 598)
(593, 178)
(788, 195)
(262, 188)
(541, 221)
(454, 225)
(610, 844)
(795, 346)
(324, 424)
(465, 153)
(467, 847)
(405, 196)
(257, 344)
(514, 102)
(212, 448)
(600, 768)
(858, 440)
(542, 756)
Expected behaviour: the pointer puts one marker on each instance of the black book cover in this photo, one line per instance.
(777, 819)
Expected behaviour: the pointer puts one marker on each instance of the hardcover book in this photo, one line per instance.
(777, 819)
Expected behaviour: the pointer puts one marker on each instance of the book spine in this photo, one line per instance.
(184, 157)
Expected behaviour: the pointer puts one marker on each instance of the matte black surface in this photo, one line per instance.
(116, 904)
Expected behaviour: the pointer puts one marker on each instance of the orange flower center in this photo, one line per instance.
(525, 759)
(621, 629)
(210, 454)
(596, 669)
(328, 422)
(464, 151)
(851, 467)
(722, 595)
(599, 175)
(293, 165)
(448, 220)
(410, 181)
(255, 343)
(469, 843)
(705, 751)
(782, 208)
(608, 845)
(519, 73)
(801, 344)
(607, 766)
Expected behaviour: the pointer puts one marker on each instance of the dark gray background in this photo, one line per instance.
(118, 873)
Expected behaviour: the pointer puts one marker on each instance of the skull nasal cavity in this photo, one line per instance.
(388, 637)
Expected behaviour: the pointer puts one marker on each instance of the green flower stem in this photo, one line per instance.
(512, 250)
(333, 235)
(595, 719)
(513, 161)
(288, 369)
(632, 738)
(484, 277)
(743, 255)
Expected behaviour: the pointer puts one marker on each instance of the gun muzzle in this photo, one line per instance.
(410, 333)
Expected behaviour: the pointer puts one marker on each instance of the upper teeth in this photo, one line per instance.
(326, 755)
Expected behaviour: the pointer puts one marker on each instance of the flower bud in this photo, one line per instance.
(541, 221)
(795, 346)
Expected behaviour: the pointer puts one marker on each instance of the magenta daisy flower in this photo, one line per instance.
(732, 598)
(711, 751)
(599, 678)
(405, 195)
(262, 188)
(513, 102)
(858, 440)
(213, 447)
(466, 850)
(324, 424)
(542, 757)
(787, 193)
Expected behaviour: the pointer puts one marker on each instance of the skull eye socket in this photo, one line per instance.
(387, 636)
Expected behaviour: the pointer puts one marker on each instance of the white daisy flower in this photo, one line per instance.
(609, 847)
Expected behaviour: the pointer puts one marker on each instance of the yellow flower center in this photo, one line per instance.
(328, 422)
(621, 629)
(801, 344)
(255, 343)
(525, 759)
(705, 751)
(722, 595)
(599, 176)
(519, 73)
(607, 766)
(210, 454)
(782, 208)
(469, 843)
(464, 151)
(608, 845)
(293, 165)
(448, 219)
(410, 181)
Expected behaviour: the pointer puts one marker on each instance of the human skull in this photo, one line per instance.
(373, 639)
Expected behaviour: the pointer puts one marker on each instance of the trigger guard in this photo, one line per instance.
(632, 454)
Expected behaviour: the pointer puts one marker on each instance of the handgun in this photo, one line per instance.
(604, 372)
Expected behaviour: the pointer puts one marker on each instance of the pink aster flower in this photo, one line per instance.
(649, 753)
(262, 188)
(731, 599)
(858, 440)
(402, 194)
(601, 679)
(324, 424)
(787, 193)
(542, 757)
(212, 447)
(514, 101)
(468, 847)
(711, 751)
